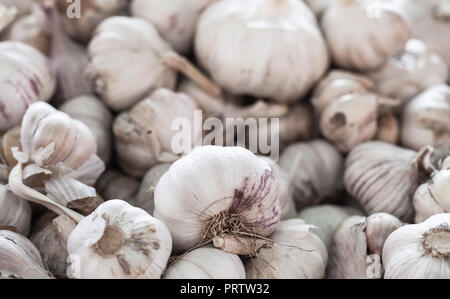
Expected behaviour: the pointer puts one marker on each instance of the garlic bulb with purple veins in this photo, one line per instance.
(416, 69)
(315, 170)
(419, 251)
(174, 19)
(222, 194)
(118, 241)
(348, 107)
(113, 184)
(426, 119)
(26, 77)
(206, 263)
(296, 253)
(15, 212)
(134, 45)
(282, 70)
(96, 116)
(383, 31)
(433, 197)
(384, 177)
(144, 134)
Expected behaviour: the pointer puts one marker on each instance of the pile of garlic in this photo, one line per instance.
(357, 98)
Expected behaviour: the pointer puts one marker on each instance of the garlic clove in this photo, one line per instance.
(206, 263)
(14, 211)
(296, 253)
(19, 258)
(378, 227)
(419, 251)
(118, 241)
(113, 184)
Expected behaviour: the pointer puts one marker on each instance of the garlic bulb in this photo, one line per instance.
(113, 184)
(215, 192)
(51, 241)
(348, 106)
(388, 128)
(145, 196)
(433, 197)
(206, 263)
(383, 177)
(14, 211)
(144, 135)
(174, 19)
(91, 14)
(419, 250)
(413, 71)
(96, 116)
(138, 49)
(382, 32)
(118, 241)
(26, 77)
(19, 258)
(426, 119)
(231, 44)
(296, 253)
(325, 219)
(315, 169)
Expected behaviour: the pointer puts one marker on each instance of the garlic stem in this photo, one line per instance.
(20, 189)
(7, 16)
(183, 65)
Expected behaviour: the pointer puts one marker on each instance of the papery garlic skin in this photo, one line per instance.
(119, 241)
(426, 119)
(26, 77)
(419, 251)
(282, 70)
(413, 71)
(316, 171)
(206, 263)
(220, 187)
(296, 253)
(139, 51)
(114, 184)
(382, 32)
(96, 116)
(19, 258)
(14, 211)
(383, 177)
(378, 228)
(174, 19)
(144, 135)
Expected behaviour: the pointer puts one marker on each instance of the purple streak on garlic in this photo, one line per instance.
(26, 77)
(217, 191)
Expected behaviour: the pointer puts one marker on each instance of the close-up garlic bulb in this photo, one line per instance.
(383, 30)
(14, 211)
(206, 263)
(296, 252)
(230, 43)
(383, 177)
(25, 77)
(419, 251)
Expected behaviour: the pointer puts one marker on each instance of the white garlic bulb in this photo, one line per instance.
(19, 258)
(144, 135)
(433, 197)
(315, 171)
(348, 106)
(96, 116)
(426, 119)
(138, 49)
(174, 19)
(14, 211)
(231, 43)
(325, 219)
(206, 263)
(296, 253)
(382, 32)
(26, 77)
(113, 184)
(214, 192)
(118, 241)
(383, 177)
(419, 250)
(413, 71)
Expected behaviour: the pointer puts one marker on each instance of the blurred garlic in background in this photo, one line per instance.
(388, 128)
(113, 184)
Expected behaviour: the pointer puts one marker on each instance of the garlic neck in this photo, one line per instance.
(111, 242)
(436, 242)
